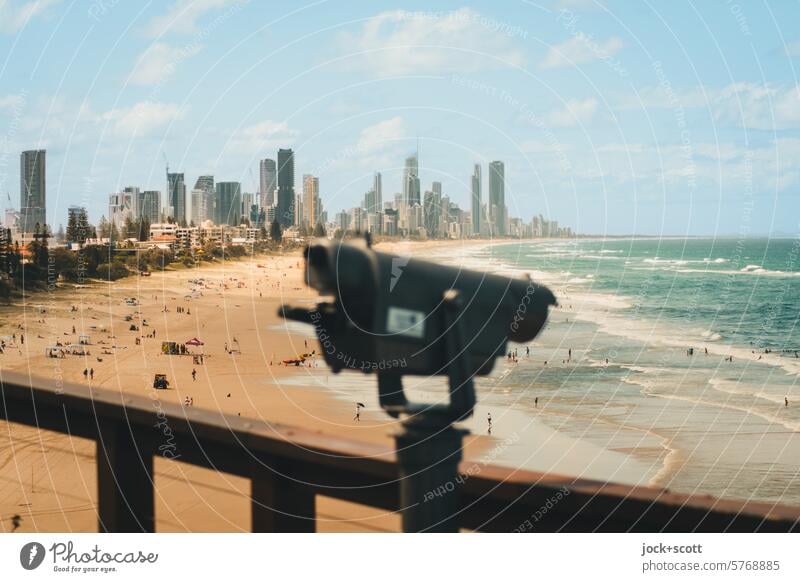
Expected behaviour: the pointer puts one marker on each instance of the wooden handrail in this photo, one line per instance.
(289, 466)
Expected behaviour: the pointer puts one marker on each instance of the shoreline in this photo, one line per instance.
(569, 433)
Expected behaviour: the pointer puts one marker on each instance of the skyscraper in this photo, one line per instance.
(199, 211)
(476, 199)
(439, 211)
(33, 192)
(497, 196)
(132, 198)
(377, 188)
(150, 206)
(311, 206)
(430, 214)
(203, 197)
(286, 196)
(229, 203)
(268, 182)
(369, 201)
(176, 197)
(411, 181)
(121, 205)
(204, 183)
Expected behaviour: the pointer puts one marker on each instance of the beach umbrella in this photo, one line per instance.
(360, 405)
(194, 342)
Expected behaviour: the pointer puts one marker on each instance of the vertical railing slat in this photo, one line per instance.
(124, 481)
(280, 503)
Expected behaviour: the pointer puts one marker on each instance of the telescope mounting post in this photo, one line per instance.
(429, 447)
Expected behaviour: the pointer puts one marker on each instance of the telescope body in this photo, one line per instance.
(388, 313)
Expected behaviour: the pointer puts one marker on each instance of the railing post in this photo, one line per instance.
(428, 458)
(279, 503)
(124, 481)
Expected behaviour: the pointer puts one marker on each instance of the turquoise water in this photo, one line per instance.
(609, 389)
(682, 357)
(740, 291)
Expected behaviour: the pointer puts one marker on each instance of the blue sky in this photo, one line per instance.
(613, 117)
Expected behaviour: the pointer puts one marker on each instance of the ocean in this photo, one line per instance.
(667, 363)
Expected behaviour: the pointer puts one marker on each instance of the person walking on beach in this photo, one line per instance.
(786, 401)
(194, 375)
(569, 357)
(357, 417)
(536, 402)
(85, 373)
(489, 420)
(91, 373)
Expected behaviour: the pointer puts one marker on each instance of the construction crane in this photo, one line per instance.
(166, 202)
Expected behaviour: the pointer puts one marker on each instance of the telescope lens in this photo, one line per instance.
(318, 275)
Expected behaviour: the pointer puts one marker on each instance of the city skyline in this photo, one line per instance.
(594, 128)
(435, 215)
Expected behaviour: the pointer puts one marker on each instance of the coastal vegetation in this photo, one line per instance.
(40, 264)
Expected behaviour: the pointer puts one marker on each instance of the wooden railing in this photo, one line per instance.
(288, 467)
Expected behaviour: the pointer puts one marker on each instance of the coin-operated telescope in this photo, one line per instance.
(398, 316)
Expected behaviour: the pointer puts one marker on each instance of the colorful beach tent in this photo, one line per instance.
(194, 342)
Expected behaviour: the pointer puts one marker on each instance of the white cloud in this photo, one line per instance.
(741, 104)
(11, 102)
(757, 106)
(377, 147)
(705, 168)
(261, 136)
(579, 50)
(575, 112)
(159, 62)
(793, 49)
(401, 43)
(14, 16)
(183, 15)
(378, 137)
(534, 146)
(141, 119)
(661, 97)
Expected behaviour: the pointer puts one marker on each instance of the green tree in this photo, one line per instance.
(78, 227)
(143, 229)
(275, 231)
(38, 246)
(112, 271)
(71, 235)
(104, 228)
(130, 228)
(65, 263)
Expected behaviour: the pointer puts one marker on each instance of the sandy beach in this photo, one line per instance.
(549, 412)
(49, 479)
